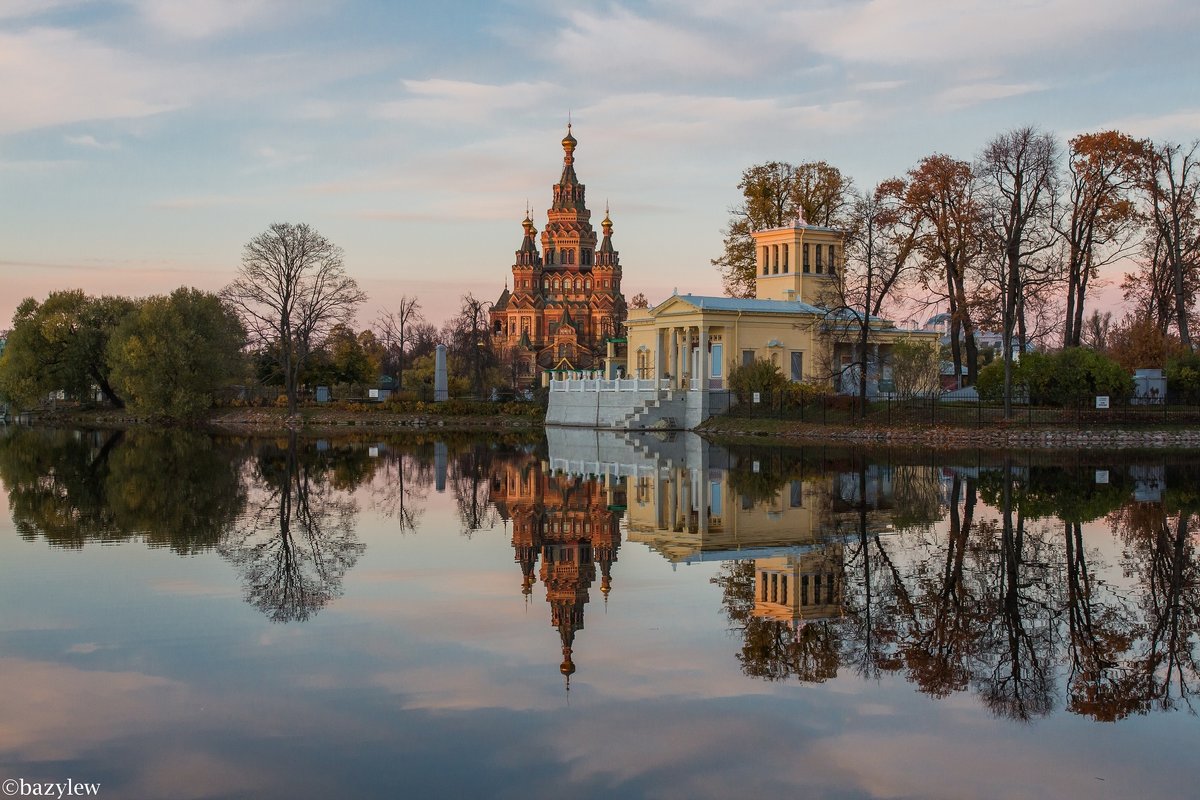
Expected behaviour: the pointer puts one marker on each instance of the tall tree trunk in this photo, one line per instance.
(1012, 292)
(955, 329)
(865, 325)
(972, 350)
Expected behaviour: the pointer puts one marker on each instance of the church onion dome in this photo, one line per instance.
(607, 254)
(568, 177)
(527, 255)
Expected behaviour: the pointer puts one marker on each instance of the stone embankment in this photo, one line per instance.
(958, 437)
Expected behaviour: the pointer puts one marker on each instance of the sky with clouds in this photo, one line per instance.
(143, 142)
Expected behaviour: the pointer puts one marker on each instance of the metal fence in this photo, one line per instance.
(1080, 413)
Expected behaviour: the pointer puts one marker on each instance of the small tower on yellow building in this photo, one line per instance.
(797, 262)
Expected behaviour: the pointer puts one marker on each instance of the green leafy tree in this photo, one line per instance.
(62, 344)
(1183, 377)
(1071, 375)
(342, 360)
(172, 354)
(774, 193)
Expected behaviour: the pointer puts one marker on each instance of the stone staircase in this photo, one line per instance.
(662, 412)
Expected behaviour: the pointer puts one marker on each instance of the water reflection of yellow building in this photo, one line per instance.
(799, 587)
(688, 515)
(698, 515)
(570, 525)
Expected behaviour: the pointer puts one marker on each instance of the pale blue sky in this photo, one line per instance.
(142, 142)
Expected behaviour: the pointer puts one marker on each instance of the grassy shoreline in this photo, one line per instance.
(308, 420)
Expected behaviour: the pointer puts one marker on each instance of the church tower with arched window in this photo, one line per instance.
(565, 302)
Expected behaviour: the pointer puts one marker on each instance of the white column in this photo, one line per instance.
(702, 357)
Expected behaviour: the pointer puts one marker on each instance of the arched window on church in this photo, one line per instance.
(587, 257)
(545, 283)
(550, 255)
(557, 285)
(578, 285)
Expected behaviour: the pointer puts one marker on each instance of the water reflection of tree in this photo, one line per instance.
(1160, 551)
(774, 649)
(297, 541)
(177, 489)
(470, 471)
(57, 485)
(1002, 602)
(1017, 677)
(1101, 630)
(401, 485)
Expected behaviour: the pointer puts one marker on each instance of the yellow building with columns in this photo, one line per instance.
(693, 342)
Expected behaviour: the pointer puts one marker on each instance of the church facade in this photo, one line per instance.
(565, 303)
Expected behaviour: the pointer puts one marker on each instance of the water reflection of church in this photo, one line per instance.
(568, 523)
(689, 501)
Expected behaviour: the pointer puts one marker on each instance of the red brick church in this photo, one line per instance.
(566, 301)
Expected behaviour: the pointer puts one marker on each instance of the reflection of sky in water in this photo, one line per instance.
(432, 676)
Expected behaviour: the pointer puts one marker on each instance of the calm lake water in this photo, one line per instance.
(587, 615)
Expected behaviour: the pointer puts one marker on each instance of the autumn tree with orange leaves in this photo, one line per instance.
(1098, 217)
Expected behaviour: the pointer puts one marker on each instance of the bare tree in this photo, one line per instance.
(395, 330)
(1017, 169)
(470, 342)
(292, 289)
(1096, 329)
(1172, 186)
(879, 244)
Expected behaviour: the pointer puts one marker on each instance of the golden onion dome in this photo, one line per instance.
(569, 141)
